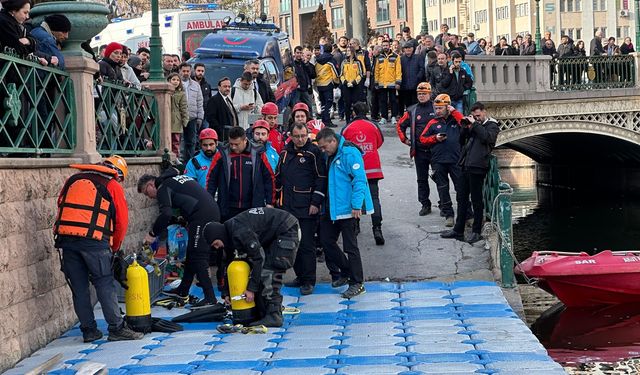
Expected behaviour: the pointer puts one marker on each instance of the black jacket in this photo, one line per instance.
(252, 232)
(109, 69)
(253, 179)
(301, 179)
(264, 89)
(11, 31)
(454, 85)
(206, 90)
(595, 47)
(477, 141)
(436, 73)
(184, 193)
(218, 115)
(412, 71)
(305, 72)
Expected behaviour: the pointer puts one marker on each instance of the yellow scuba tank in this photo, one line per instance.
(137, 300)
(238, 275)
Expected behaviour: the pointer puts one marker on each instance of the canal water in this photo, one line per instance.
(565, 220)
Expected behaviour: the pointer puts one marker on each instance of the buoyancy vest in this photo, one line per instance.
(85, 206)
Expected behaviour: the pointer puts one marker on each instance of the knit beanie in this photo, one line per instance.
(58, 22)
(134, 61)
(112, 47)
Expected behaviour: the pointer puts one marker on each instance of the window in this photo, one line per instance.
(578, 34)
(622, 31)
(481, 16)
(402, 9)
(603, 29)
(309, 3)
(502, 12)
(522, 10)
(285, 6)
(562, 8)
(337, 18)
(451, 21)
(432, 3)
(265, 7)
(569, 5)
(600, 5)
(578, 5)
(386, 30)
(285, 25)
(433, 26)
(382, 10)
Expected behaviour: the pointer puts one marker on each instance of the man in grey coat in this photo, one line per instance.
(195, 109)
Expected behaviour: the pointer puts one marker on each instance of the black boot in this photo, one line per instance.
(377, 235)
(273, 318)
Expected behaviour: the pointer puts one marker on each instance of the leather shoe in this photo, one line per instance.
(425, 210)
(452, 234)
(293, 284)
(475, 237)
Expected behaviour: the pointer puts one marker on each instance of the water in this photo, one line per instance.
(564, 220)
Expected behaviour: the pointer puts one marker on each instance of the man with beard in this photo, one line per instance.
(198, 76)
(263, 88)
(198, 167)
(261, 130)
(305, 73)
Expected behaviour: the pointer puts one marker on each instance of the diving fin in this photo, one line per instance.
(167, 302)
(162, 325)
(286, 310)
(215, 313)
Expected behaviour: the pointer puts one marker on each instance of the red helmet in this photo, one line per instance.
(300, 107)
(208, 133)
(269, 109)
(261, 124)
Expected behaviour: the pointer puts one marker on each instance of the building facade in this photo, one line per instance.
(493, 19)
(294, 16)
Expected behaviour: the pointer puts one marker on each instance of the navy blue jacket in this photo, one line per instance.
(454, 85)
(47, 45)
(242, 180)
(447, 151)
(412, 71)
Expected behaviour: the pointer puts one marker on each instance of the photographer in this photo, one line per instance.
(478, 136)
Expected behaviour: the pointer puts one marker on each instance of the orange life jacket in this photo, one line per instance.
(85, 206)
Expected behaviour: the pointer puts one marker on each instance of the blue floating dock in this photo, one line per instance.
(414, 328)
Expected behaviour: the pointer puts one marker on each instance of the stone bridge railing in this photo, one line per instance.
(508, 79)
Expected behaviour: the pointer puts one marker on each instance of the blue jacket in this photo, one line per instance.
(272, 155)
(412, 71)
(348, 187)
(198, 168)
(47, 45)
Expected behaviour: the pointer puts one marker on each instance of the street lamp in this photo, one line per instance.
(538, 36)
(425, 27)
(155, 71)
(637, 24)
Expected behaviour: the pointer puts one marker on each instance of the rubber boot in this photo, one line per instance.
(273, 318)
(377, 235)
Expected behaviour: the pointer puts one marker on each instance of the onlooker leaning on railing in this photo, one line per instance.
(13, 33)
(109, 67)
(50, 35)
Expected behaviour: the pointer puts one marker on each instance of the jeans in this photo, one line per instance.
(85, 260)
(326, 101)
(348, 262)
(470, 184)
(422, 159)
(305, 264)
(386, 97)
(376, 217)
(441, 174)
(197, 262)
(190, 134)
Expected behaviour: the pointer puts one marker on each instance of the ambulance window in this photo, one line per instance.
(271, 73)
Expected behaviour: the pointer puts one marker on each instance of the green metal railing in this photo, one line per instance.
(593, 72)
(497, 209)
(37, 108)
(127, 121)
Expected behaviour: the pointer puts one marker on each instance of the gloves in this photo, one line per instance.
(119, 268)
(367, 82)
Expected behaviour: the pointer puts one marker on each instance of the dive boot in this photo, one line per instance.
(273, 317)
(377, 235)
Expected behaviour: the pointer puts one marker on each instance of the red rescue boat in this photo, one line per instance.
(606, 278)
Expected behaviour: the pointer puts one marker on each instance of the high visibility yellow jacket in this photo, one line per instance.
(326, 72)
(352, 71)
(388, 71)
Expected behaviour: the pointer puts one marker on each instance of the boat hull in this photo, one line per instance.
(581, 280)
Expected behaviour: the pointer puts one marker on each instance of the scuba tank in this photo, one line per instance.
(238, 274)
(137, 300)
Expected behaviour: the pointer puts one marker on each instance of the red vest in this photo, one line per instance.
(369, 138)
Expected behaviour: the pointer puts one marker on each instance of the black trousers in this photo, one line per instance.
(470, 184)
(350, 95)
(405, 99)
(348, 262)
(388, 97)
(442, 172)
(197, 262)
(422, 159)
(305, 265)
(375, 104)
(376, 217)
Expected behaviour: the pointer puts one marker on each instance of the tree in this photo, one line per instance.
(319, 27)
(371, 33)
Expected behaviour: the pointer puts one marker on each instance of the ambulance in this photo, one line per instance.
(180, 29)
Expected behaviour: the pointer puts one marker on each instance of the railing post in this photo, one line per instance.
(81, 70)
(636, 68)
(543, 73)
(506, 235)
(162, 91)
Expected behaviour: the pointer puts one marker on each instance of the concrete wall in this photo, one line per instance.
(35, 302)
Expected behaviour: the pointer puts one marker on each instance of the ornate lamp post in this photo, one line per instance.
(637, 24)
(425, 27)
(538, 36)
(155, 71)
